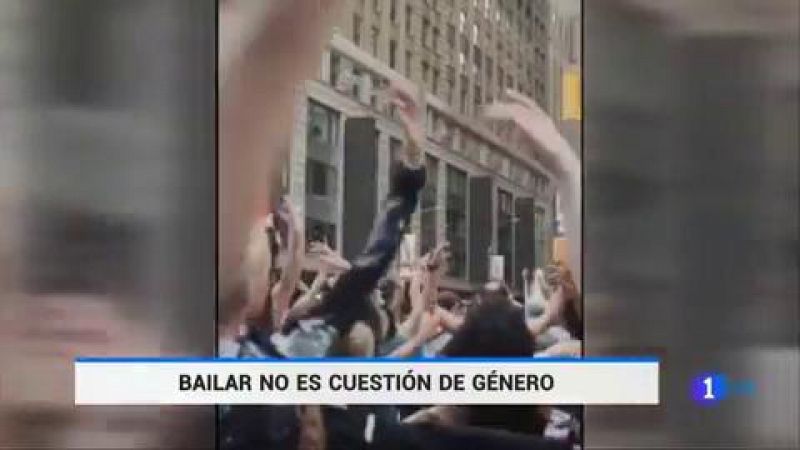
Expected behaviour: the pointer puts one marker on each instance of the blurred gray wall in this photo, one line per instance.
(107, 193)
(691, 213)
(114, 108)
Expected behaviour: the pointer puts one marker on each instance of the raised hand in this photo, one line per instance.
(416, 290)
(329, 260)
(553, 150)
(266, 48)
(555, 154)
(438, 258)
(429, 327)
(412, 117)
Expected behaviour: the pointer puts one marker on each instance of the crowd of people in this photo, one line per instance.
(361, 308)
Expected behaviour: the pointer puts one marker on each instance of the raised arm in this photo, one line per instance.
(449, 321)
(307, 300)
(356, 284)
(527, 292)
(281, 293)
(429, 327)
(558, 157)
(266, 48)
(435, 268)
(417, 298)
(328, 263)
(371, 264)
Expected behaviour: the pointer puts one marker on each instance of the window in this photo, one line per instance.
(449, 94)
(440, 130)
(408, 63)
(475, 33)
(321, 181)
(456, 220)
(425, 71)
(393, 11)
(539, 237)
(324, 124)
(462, 104)
(318, 230)
(356, 29)
(428, 205)
(336, 67)
(500, 79)
(477, 99)
(435, 39)
(374, 41)
(426, 25)
(451, 35)
(408, 20)
(495, 161)
(435, 82)
(462, 22)
(393, 54)
(430, 120)
(395, 153)
(470, 146)
(505, 232)
(376, 86)
(477, 60)
(356, 88)
(321, 178)
(451, 83)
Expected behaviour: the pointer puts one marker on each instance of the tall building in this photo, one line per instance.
(565, 75)
(565, 68)
(487, 194)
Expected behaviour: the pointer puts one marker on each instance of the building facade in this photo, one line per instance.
(487, 194)
(565, 70)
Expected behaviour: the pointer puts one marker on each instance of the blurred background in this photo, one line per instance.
(107, 219)
(691, 213)
(691, 245)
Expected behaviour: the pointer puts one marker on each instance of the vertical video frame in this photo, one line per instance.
(400, 179)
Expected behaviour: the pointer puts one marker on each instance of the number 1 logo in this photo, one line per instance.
(709, 388)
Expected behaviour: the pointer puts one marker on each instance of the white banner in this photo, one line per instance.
(185, 381)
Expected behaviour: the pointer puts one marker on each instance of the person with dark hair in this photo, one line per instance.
(494, 328)
(448, 300)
